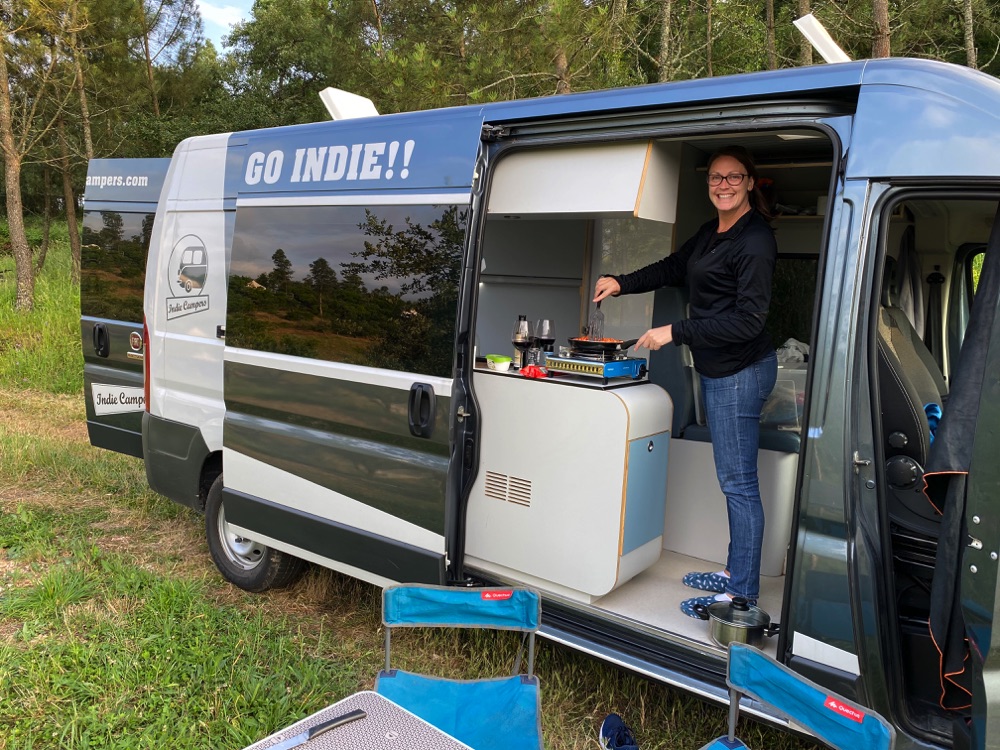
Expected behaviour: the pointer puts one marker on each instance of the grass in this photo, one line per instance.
(117, 632)
(41, 350)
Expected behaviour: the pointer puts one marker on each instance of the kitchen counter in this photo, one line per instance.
(563, 378)
(571, 491)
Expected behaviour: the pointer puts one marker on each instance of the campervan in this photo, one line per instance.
(319, 301)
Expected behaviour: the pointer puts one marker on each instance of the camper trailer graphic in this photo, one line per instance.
(189, 273)
(193, 268)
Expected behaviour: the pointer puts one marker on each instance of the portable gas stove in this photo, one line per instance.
(598, 365)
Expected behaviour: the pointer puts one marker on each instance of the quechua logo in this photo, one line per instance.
(848, 712)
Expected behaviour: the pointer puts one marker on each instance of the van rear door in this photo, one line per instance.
(119, 205)
(349, 244)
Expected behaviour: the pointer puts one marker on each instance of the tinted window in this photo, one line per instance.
(793, 295)
(113, 264)
(368, 286)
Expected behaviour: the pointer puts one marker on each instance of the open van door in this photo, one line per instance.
(119, 205)
(962, 479)
(339, 367)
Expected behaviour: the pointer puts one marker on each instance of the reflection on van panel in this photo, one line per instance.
(193, 270)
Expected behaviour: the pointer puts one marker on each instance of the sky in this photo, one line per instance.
(219, 16)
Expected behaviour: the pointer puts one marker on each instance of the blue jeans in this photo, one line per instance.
(732, 408)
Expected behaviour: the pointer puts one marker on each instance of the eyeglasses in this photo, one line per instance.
(733, 179)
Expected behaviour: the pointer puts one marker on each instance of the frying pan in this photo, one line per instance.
(586, 345)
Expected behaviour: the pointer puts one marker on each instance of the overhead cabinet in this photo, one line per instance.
(636, 179)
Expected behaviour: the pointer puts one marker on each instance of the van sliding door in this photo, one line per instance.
(340, 340)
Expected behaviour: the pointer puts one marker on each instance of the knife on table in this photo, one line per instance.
(315, 731)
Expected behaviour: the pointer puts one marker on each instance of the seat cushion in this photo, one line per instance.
(484, 714)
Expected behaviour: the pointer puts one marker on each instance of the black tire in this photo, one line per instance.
(245, 563)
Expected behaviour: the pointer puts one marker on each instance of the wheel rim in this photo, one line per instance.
(245, 554)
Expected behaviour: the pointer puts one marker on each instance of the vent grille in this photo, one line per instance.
(508, 489)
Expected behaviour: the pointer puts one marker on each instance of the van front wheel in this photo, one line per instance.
(243, 562)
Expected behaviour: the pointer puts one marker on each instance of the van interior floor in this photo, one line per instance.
(653, 597)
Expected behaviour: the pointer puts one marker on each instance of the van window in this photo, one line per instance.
(374, 286)
(793, 296)
(975, 268)
(629, 244)
(113, 263)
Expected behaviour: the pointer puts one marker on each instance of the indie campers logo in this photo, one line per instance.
(188, 274)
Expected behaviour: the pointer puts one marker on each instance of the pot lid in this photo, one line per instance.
(739, 612)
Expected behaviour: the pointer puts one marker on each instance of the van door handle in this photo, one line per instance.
(422, 410)
(102, 341)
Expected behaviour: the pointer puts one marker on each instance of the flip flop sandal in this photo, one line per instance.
(688, 605)
(706, 582)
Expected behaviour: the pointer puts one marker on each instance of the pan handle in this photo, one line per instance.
(627, 344)
(772, 629)
(701, 610)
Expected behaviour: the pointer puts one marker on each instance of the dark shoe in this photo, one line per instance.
(688, 605)
(706, 581)
(615, 735)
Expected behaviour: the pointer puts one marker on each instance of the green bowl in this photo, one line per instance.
(499, 362)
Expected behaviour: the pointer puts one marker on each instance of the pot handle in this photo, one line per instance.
(772, 629)
(701, 610)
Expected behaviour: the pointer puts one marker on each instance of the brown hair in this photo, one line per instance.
(757, 199)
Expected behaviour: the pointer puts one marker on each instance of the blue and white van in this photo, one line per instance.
(320, 388)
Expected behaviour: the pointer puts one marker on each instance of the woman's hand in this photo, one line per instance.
(606, 286)
(654, 338)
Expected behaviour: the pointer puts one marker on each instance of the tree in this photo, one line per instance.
(70, 198)
(322, 278)
(29, 87)
(772, 47)
(968, 33)
(663, 60)
(880, 13)
(281, 276)
(805, 48)
(165, 28)
(12, 179)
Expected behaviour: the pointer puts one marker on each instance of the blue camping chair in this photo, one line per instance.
(489, 713)
(835, 720)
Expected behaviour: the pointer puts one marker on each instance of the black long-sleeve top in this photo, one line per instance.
(729, 276)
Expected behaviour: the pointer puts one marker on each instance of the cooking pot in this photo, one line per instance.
(737, 621)
(601, 346)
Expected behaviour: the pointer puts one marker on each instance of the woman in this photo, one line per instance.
(727, 267)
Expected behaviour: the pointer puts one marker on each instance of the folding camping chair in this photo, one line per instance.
(488, 713)
(835, 720)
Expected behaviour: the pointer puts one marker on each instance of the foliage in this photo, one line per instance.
(41, 350)
(150, 80)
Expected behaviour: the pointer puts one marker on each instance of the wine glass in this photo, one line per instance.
(521, 337)
(545, 332)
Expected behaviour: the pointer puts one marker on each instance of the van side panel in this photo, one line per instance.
(348, 248)
(342, 425)
(950, 137)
